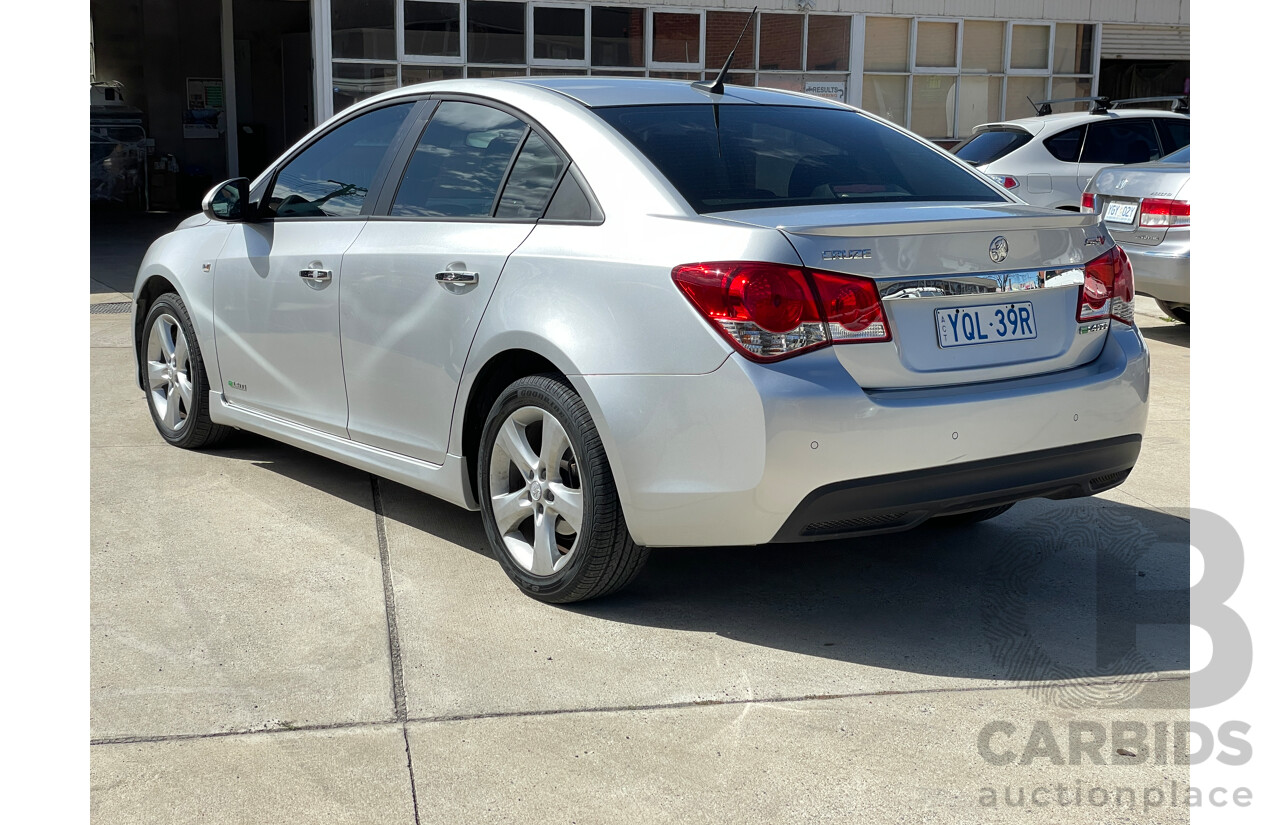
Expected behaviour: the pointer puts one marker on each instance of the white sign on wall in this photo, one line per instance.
(827, 89)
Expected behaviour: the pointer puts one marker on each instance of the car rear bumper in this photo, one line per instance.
(744, 454)
(900, 501)
(1160, 272)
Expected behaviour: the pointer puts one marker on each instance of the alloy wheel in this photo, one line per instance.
(536, 491)
(169, 372)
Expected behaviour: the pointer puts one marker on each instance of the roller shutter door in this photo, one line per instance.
(1145, 42)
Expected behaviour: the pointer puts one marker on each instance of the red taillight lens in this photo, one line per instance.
(1157, 212)
(1086, 202)
(852, 307)
(1108, 288)
(772, 311)
(1007, 181)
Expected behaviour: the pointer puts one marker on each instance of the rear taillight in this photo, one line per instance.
(772, 311)
(1157, 212)
(1108, 288)
(1007, 181)
(1086, 202)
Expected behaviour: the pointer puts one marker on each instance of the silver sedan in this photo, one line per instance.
(614, 314)
(1147, 209)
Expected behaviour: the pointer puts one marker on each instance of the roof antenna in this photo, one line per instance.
(716, 87)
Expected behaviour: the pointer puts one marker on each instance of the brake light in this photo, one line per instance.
(772, 311)
(1007, 181)
(1107, 289)
(1086, 202)
(1157, 212)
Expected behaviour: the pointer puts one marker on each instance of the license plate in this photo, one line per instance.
(993, 323)
(1119, 212)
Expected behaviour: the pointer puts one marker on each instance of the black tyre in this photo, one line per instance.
(173, 373)
(971, 517)
(1178, 312)
(547, 496)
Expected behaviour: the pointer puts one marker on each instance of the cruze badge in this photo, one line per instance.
(999, 249)
(846, 254)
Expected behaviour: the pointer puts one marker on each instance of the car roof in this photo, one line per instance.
(597, 92)
(1064, 120)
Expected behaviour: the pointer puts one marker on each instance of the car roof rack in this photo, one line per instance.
(1181, 103)
(1103, 104)
(1045, 107)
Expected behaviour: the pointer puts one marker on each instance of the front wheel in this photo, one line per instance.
(174, 376)
(547, 496)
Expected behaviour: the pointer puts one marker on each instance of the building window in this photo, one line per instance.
(559, 34)
(495, 32)
(378, 44)
(364, 29)
(432, 29)
(940, 78)
(617, 36)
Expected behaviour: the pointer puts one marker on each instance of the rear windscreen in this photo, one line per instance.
(985, 147)
(722, 157)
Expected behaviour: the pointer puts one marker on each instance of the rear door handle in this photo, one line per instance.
(452, 277)
(316, 276)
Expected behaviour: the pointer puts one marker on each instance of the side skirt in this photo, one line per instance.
(446, 481)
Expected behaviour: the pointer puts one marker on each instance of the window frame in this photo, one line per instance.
(652, 65)
(399, 165)
(552, 63)
(434, 60)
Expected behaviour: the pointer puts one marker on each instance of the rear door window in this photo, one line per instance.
(1126, 140)
(986, 147)
(459, 162)
(1175, 133)
(1065, 146)
(726, 157)
(533, 179)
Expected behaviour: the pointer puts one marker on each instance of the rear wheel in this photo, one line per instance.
(971, 517)
(1178, 312)
(174, 377)
(547, 496)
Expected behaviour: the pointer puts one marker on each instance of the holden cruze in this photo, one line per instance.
(615, 314)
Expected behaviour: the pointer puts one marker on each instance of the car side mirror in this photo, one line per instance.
(229, 201)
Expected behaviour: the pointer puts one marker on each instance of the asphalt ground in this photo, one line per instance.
(280, 638)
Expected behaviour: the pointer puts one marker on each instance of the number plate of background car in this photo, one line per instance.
(1120, 212)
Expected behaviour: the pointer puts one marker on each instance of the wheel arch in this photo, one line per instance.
(499, 372)
(144, 296)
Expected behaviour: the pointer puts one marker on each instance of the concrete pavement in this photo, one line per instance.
(277, 637)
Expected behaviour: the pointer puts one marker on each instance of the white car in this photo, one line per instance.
(613, 314)
(1048, 160)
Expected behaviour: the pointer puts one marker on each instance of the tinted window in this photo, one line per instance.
(571, 202)
(985, 147)
(1065, 146)
(1131, 140)
(1174, 133)
(765, 156)
(459, 162)
(332, 176)
(1183, 155)
(533, 177)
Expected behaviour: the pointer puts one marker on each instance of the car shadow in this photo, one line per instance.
(1050, 591)
(1176, 334)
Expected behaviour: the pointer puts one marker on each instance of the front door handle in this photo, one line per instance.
(452, 277)
(316, 276)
